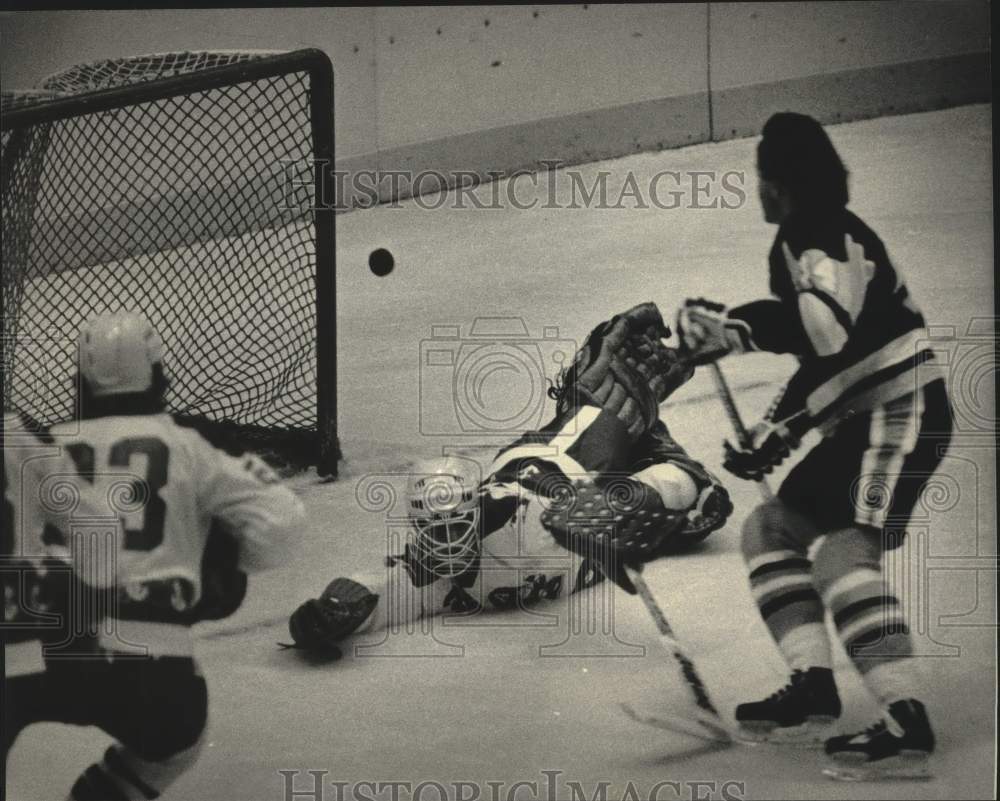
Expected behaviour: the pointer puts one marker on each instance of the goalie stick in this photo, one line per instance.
(706, 723)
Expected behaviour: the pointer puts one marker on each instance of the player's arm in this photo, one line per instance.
(830, 296)
(249, 498)
(830, 293)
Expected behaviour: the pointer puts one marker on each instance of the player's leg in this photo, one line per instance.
(684, 486)
(36, 609)
(814, 498)
(775, 543)
(157, 710)
(868, 615)
(870, 622)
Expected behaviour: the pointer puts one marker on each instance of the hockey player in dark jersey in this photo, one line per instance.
(843, 309)
(603, 484)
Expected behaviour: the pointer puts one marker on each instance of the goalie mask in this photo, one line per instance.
(443, 504)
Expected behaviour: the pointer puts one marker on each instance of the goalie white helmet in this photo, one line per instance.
(117, 351)
(443, 502)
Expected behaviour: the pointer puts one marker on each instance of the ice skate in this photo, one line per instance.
(800, 713)
(897, 747)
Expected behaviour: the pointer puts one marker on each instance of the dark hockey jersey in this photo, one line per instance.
(844, 310)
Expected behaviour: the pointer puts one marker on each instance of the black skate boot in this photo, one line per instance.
(798, 714)
(897, 747)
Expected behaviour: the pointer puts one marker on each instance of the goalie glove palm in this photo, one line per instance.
(624, 368)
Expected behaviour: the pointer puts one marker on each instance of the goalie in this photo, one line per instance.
(603, 480)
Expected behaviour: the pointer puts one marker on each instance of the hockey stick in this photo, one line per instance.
(729, 404)
(706, 723)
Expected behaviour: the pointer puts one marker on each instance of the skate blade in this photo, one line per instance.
(909, 767)
(700, 726)
(810, 735)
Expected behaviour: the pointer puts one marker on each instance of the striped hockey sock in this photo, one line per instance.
(869, 620)
(781, 583)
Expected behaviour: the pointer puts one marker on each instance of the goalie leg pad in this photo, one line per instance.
(621, 517)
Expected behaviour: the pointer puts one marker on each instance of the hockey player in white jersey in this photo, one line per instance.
(603, 484)
(155, 563)
(35, 578)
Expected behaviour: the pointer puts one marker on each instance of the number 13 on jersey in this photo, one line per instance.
(124, 456)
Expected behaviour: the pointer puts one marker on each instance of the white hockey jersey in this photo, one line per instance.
(33, 571)
(146, 493)
(27, 459)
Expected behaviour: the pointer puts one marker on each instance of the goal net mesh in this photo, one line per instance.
(196, 209)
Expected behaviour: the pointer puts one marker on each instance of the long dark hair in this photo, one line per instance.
(796, 153)
(151, 401)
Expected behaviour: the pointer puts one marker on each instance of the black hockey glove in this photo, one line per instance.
(320, 623)
(223, 583)
(770, 444)
(625, 369)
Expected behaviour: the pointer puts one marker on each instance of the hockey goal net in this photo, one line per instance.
(190, 187)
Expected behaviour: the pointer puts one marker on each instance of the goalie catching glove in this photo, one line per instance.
(624, 368)
(707, 332)
(321, 623)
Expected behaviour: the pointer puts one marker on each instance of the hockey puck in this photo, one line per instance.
(381, 262)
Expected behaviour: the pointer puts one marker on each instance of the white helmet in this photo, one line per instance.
(442, 498)
(118, 351)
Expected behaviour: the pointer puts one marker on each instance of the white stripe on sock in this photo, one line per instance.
(772, 556)
(779, 582)
(849, 582)
(882, 616)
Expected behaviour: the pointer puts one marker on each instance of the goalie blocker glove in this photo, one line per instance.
(624, 368)
(707, 332)
(319, 624)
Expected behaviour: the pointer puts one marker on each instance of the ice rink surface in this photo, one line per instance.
(503, 698)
